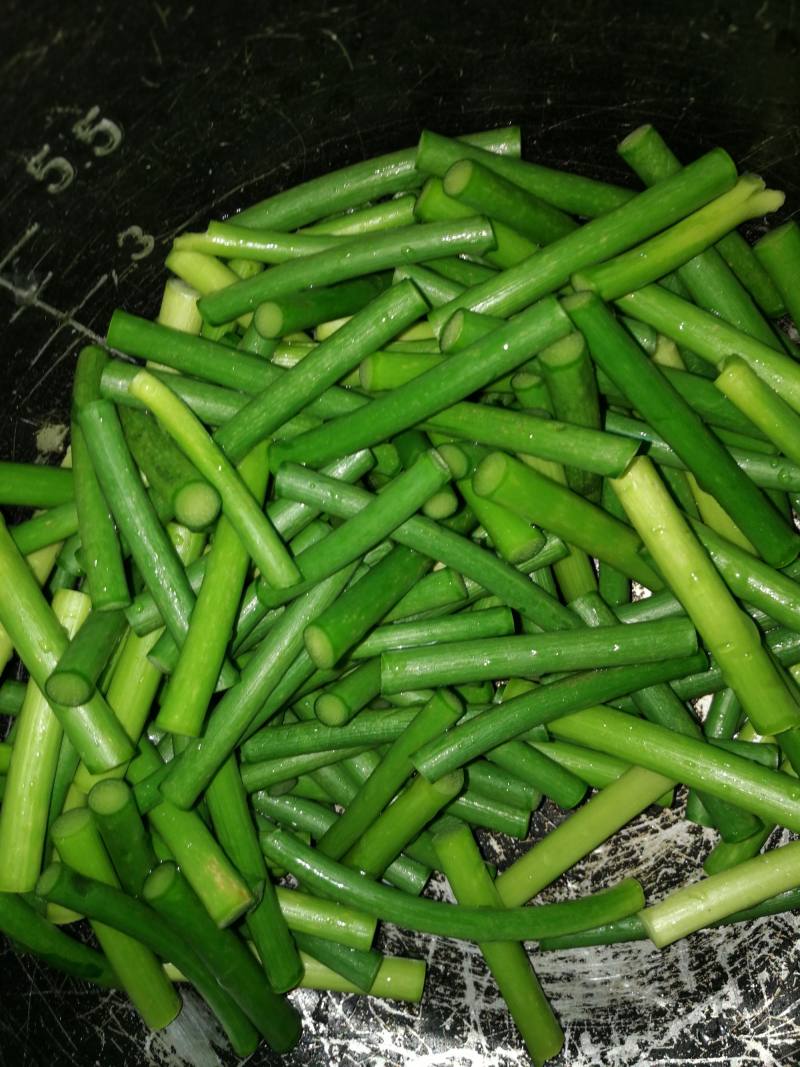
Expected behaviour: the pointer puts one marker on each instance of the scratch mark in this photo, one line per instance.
(342, 48)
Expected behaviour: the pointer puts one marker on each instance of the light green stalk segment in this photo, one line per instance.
(653, 259)
(730, 635)
(472, 884)
(29, 781)
(700, 904)
(761, 404)
(398, 978)
(239, 505)
(192, 684)
(581, 833)
(712, 339)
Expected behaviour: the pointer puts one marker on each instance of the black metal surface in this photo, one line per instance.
(155, 117)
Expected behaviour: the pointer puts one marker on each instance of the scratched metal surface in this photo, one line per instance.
(121, 125)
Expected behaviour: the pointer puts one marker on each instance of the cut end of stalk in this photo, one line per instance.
(456, 460)
(68, 689)
(197, 505)
(449, 785)
(268, 320)
(578, 301)
(458, 177)
(109, 796)
(778, 235)
(634, 137)
(70, 823)
(47, 880)
(490, 473)
(564, 352)
(331, 710)
(160, 880)
(319, 647)
(450, 333)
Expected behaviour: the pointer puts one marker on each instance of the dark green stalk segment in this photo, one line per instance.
(643, 215)
(543, 705)
(542, 773)
(196, 673)
(486, 778)
(241, 509)
(434, 205)
(150, 546)
(235, 831)
(711, 463)
(463, 271)
(779, 253)
(613, 585)
(543, 501)
(194, 769)
(336, 921)
(365, 730)
(363, 255)
(12, 695)
(727, 854)
(488, 359)
(33, 485)
(358, 966)
(339, 702)
(76, 674)
(346, 622)
(401, 822)
(439, 713)
(31, 932)
(211, 361)
(508, 961)
(699, 393)
(532, 655)
(464, 328)
(684, 240)
(491, 622)
(436, 289)
(712, 339)
(382, 319)
(707, 277)
(40, 642)
(112, 804)
(572, 385)
(333, 880)
(80, 847)
(172, 478)
(744, 263)
(48, 527)
(773, 796)
(516, 431)
(571, 193)
(225, 955)
(397, 502)
(352, 186)
(105, 904)
(298, 311)
(489, 193)
(514, 539)
(269, 773)
(437, 542)
(766, 471)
